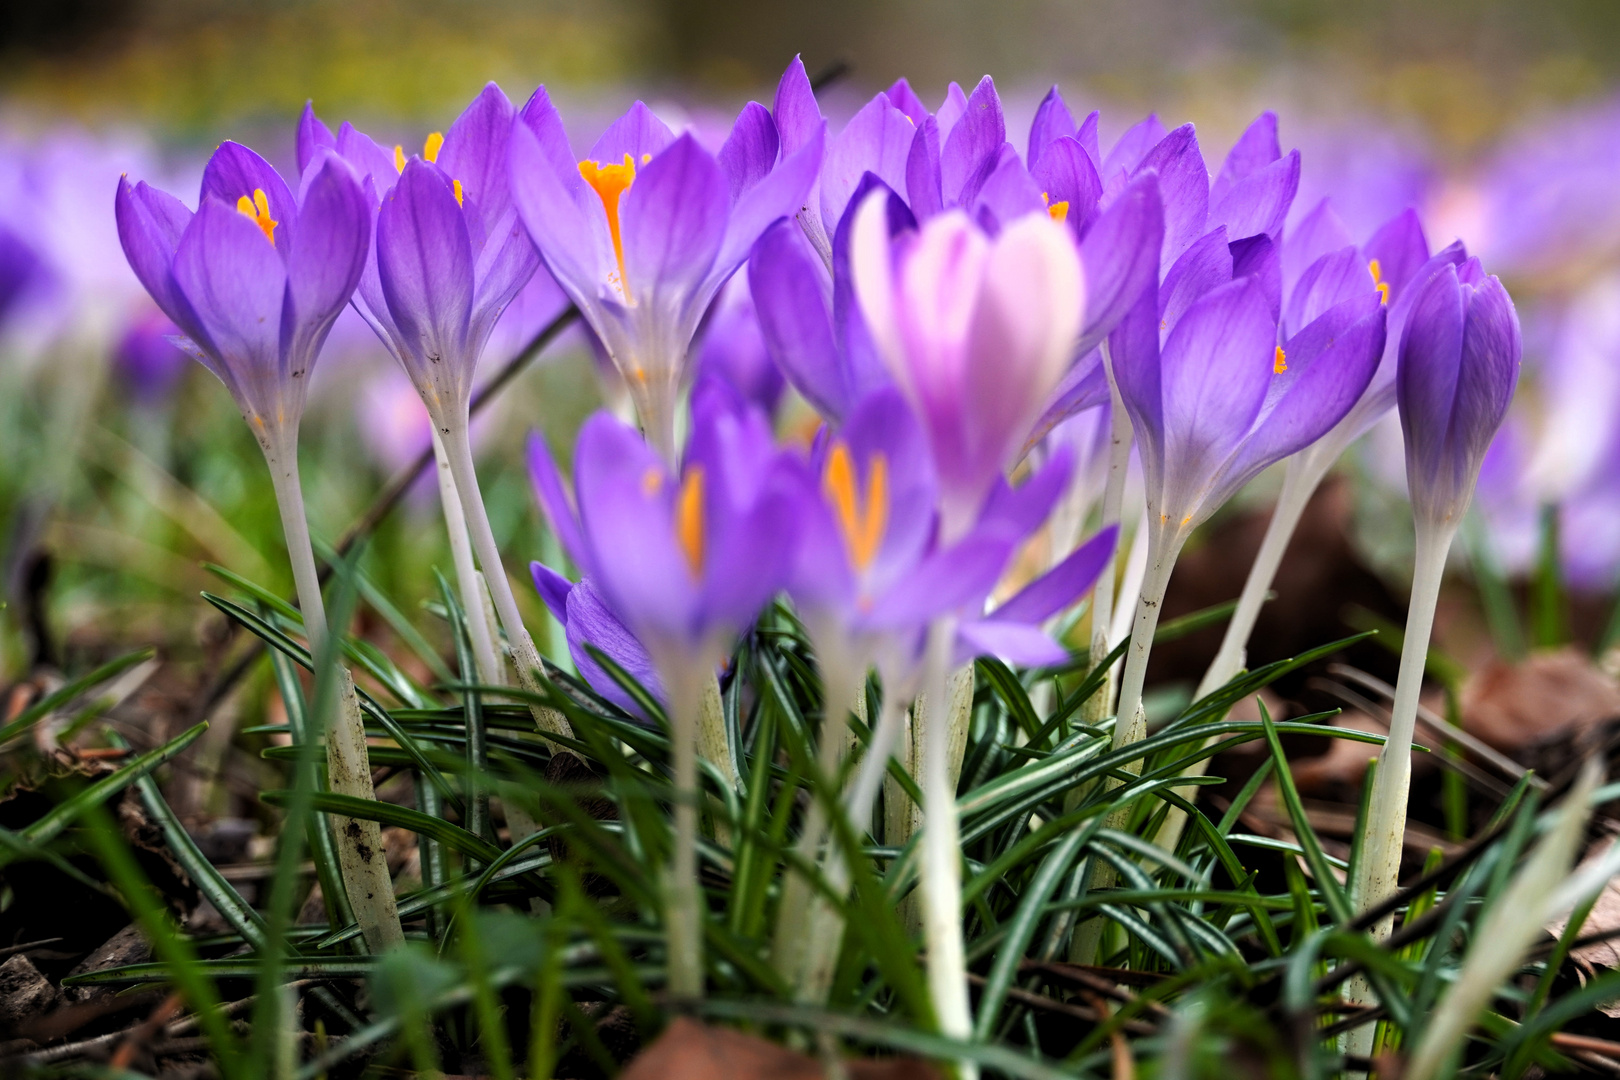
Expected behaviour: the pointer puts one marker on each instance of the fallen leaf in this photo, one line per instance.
(1549, 696)
(1604, 916)
(688, 1050)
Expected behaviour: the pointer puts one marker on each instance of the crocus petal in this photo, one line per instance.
(1426, 379)
(1053, 121)
(1206, 265)
(553, 589)
(1016, 512)
(1087, 138)
(590, 621)
(554, 500)
(1257, 257)
(780, 194)
(312, 133)
(569, 232)
(424, 260)
(1063, 584)
(1400, 248)
(234, 172)
(1083, 386)
(972, 145)
(674, 219)
(475, 153)
(1258, 203)
(904, 98)
(765, 538)
(923, 184)
(1329, 281)
(1066, 175)
(951, 110)
(1489, 369)
(1007, 194)
(370, 161)
(1184, 187)
(638, 133)
(237, 284)
(1120, 253)
(877, 140)
(750, 150)
(946, 581)
(1014, 642)
(795, 111)
(1126, 155)
(1256, 148)
(788, 286)
(326, 256)
(504, 266)
(150, 224)
(1318, 233)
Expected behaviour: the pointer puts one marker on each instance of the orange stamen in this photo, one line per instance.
(458, 191)
(399, 158)
(1057, 211)
(257, 210)
(432, 145)
(1280, 363)
(862, 526)
(1378, 280)
(689, 519)
(610, 182)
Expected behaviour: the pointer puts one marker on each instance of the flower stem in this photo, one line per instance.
(348, 766)
(941, 848)
(683, 892)
(1113, 501)
(490, 669)
(525, 657)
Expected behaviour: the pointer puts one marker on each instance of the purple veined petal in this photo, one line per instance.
(948, 580)
(882, 427)
(1205, 265)
(1184, 187)
(969, 151)
(863, 371)
(904, 98)
(789, 289)
(1120, 253)
(750, 150)
(1216, 367)
(872, 274)
(674, 221)
(1066, 174)
(1086, 136)
(877, 140)
(312, 133)
(753, 560)
(1328, 281)
(795, 110)
(822, 580)
(1134, 348)
(1014, 642)
(1319, 232)
(540, 116)
(150, 224)
(326, 257)
(234, 171)
(569, 232)
(1014, 513)
(371, 161)
(1007, 194)
(553, 589)
(1324, 391)
(425, 263)
(554, 500)
(1084, 386)
(1426, 377)
(1063, 584)
(504, 266)
(1053, 121)
(237, 285)
(1400, 248)
(626, 509)
(923, 185)
(1257, 257)
(1126, 155)
(778, 195)
(951, 110)
(1258, 203)
(638, 133)
(590, 621)
(475, 153)
(1489, 371)
(1256, 148)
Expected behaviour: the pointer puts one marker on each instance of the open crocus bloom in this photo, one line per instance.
(255, 278)
(975, 331)
(644, 231)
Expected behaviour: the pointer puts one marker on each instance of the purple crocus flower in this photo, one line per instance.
(19, 266)
(148, 361)
(731, 348)
(644, 231)
(587, 620)
(1459, 364)
(975, 331)
(255, 278)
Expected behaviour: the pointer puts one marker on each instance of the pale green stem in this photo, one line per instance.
(684, 679)
(1378, 869)
(1113, 502)
(359, 843)
(941, 884)
(525, 657)
(1299, 483)
(490, 668)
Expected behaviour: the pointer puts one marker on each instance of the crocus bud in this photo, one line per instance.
(1459, 364)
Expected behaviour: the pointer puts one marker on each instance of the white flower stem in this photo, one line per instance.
(348, 766)
(941, 849)
(490, 668)
(684, 681)
(525, 657)
(1113, 501)
(1299, 483)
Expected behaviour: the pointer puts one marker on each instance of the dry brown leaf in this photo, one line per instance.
(1551, 695)
(688, 1050)
(1604, 916)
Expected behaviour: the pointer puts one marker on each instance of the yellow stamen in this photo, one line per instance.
(432, 145)
(1185, 520)
(689, 518)
(862, 526)
(257, 210)
(1378, 280)
(1280, 364)
(1058, 211)
(399, 158)
(458, 191)
(610, 182)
